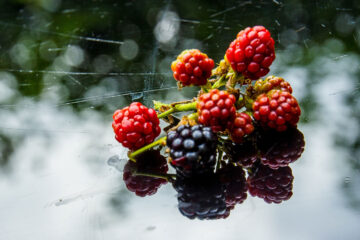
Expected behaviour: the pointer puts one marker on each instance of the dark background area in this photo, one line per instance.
(66, 66)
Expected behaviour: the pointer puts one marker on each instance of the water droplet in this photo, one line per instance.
(347, 180)
(117, 163)
(136, 96)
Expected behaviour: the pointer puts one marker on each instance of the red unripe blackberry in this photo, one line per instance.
(252, 52)
(149, 162)
(279, 149)
(135, 125)
(277, 110)
(274, 186)
(192, 67)
(216, 109)
(201, 197)
(240, 127)
(192, 149)
(234, 181)
(244, 154)
(270, 83)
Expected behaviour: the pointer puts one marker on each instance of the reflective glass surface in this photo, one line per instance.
(66, 66)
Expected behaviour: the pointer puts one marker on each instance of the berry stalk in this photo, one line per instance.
(193, 116)
(167, 177)
(245, 101)
(219, 83)
(132, 155)
(178, 108)
(218, 162)
(161, 141)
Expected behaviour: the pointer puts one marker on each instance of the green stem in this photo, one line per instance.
(205, 90)
(145, 148)
(158, 105)
(248, 103)
(193, 116)
(179, 108)
(166, 113)
(219, 83)
(240, 102)
(167, 177)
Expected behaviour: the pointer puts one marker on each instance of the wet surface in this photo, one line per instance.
(66, 66)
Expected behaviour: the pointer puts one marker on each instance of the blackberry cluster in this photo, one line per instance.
(135, 126)
(279, 149)
(222, 127)
(277, 110)
(234, 181)
(244, 154)
(192, 67)
(274, 186)
(192, 149)
(149, 162)
(216, 109)
(252, 52)
(201, 197)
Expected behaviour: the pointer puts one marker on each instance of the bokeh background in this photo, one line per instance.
(66, 66)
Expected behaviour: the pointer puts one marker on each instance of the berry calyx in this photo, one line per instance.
(277, 110)
(192, 149)
(270, 83)
(274, 186)
(216, 109)
(252, 52)
(135, 126)
(240, 127)
(148, 162)
(192, 67)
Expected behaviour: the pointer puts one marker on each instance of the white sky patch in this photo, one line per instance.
(74, 55)
(20, 54)
(129, 49)
(167, 28)
(8, 85)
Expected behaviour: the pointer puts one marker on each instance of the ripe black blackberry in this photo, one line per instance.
(150, 161)
(278, 149)
(201, 197)
(244, 154)
(233, 179)
(192, 149)
(274, 186)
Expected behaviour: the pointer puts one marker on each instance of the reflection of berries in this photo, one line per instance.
(252, 52)
(149, 162)
(233, 178)
(280, 149)
(276, 109)
(192, 149)
(135, 125)
(244, 153)
(270, 83)
(192, 67)
(241, 126)
(274, 186)
(201, 197)
(216, 109)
